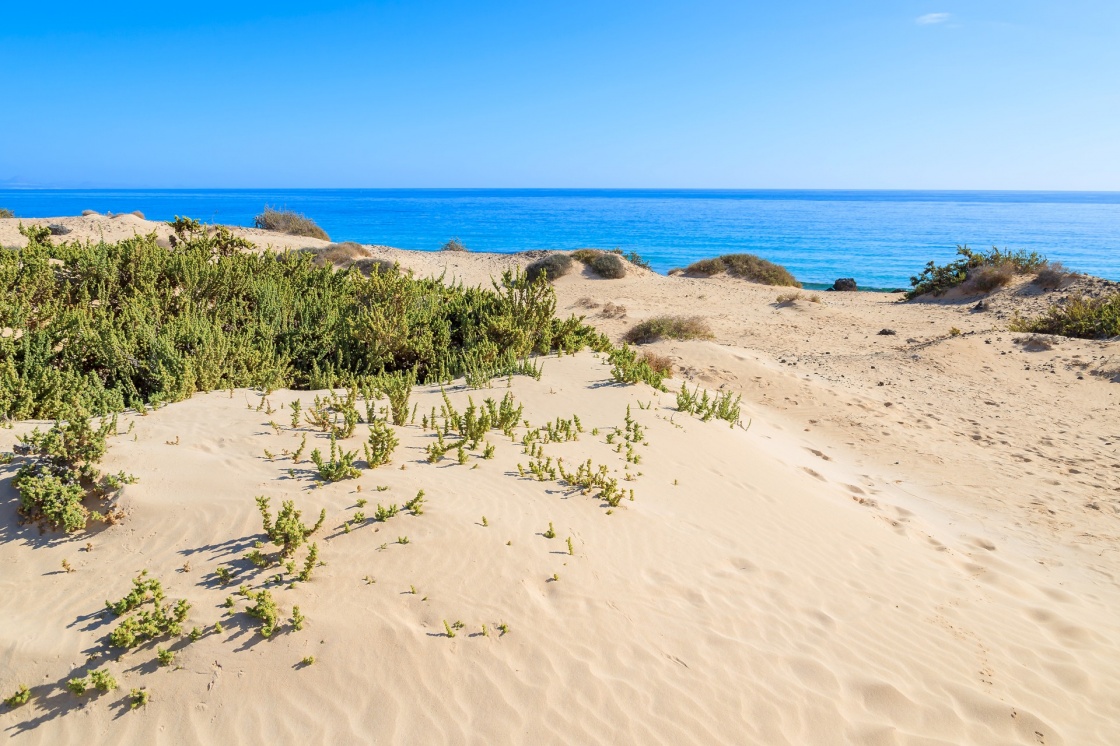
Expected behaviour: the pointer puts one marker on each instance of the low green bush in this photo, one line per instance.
(116, 325)
(628, 368)
(984, 270)
(61, 473)
(606, 264)
(1078, 316)
(744, 266)
(287, 221)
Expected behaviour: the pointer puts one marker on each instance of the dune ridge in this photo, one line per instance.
(907, 539)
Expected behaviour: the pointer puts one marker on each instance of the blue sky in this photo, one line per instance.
(891, 94)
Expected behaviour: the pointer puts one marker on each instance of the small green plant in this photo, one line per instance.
(298, 454)
(954, 332)
(218, 629)
(571, 549)
(78, 686)
(265, 610)
(339, 466)
(308, 660)
(450, 631)
(298, 619)
(139, 698)
(402, 539)
(381, 443)
(416, 504)
(166, 657)
(287, 531)
(555, 577)
(309, 563)
(361, 501)
(721, 406)
(503, 628)
(154, 618)
(485, 522)
(196, 634)
(20, 698)
(628, 368)
(550, 533)
(224, 574)
(102, 680)
(296, 407)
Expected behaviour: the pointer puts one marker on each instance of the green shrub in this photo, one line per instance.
(673, 327)
(264, 609)
(149, 623)
(138, 698)
(292, 223)
(130, 323)
(721, 406)
(287, 531)
(453, 245)
(744, 266)
(382, 441)
(61, 473)
(627, 368)
(552, 267)
(102, 680)
(339, 466)
(987, 270)
(1078, 316)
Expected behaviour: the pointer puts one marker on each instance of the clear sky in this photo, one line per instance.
(892, 94)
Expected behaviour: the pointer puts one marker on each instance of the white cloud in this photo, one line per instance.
(931, 18)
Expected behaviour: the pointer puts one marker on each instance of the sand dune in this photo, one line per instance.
(909, 539)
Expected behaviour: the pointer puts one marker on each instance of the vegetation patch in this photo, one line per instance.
(975, 271)
(699, 404)
(606, 264)
(1078, 316)
(287, 221)
(340, 254)
(155, 617)
(101, 327)
(628, 368)
(454, 245)
(61, 474)
(552, 267)
(744, 266)
(672, 327)
(6, 213)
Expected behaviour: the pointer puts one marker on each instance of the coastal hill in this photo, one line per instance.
(908, 534)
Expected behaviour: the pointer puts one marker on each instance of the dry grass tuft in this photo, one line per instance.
(292, 223)
(339, 254)
(662, 364)
(673, 327)
(744, 266)
(6, 213)
(454, 245)
(988, 277)
(368, 265)
(1053, 276)
(613, 311)
(587, 303)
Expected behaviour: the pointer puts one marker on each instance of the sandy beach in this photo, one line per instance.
(910, 537)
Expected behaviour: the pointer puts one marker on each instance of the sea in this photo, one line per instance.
(880, 238)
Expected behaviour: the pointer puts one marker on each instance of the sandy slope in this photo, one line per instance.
(930, 560)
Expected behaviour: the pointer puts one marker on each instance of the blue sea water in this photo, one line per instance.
(879, 237)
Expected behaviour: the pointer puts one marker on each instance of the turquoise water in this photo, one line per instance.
(880, 238)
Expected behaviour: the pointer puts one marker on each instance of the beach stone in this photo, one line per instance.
(887, 332)
(58, 229)
(846, 284)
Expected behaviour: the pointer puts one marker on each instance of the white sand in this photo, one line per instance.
(932, 560)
